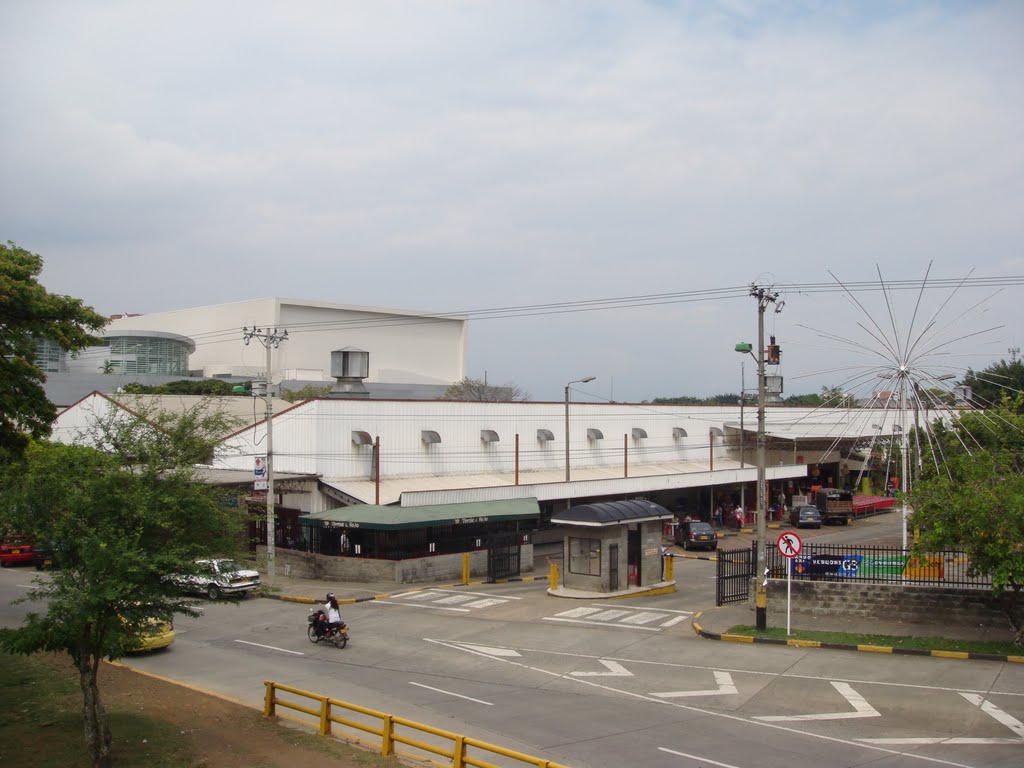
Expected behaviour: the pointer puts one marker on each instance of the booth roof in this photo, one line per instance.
(392, 518)
(612, 513)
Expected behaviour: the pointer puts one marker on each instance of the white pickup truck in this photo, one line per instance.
(219, 577)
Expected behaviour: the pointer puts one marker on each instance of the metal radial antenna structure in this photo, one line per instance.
(903, 359)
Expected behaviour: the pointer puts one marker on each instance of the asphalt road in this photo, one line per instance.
(605, 683)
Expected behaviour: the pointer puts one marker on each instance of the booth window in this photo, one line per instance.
(585, 556)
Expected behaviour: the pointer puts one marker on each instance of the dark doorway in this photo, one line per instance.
(633, 557)
(613, 567)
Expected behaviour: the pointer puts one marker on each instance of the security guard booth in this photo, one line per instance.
(612, 546)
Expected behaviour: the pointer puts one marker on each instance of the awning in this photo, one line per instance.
(375, 517)
(608, 513)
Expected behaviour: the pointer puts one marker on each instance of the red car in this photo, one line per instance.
(15, 549)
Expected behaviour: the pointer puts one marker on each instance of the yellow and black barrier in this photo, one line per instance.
(391, 730)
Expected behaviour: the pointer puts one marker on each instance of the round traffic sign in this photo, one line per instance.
(789, 544)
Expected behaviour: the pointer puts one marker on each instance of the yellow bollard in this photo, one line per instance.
(465, 568)
(553, 573)
(670, 563)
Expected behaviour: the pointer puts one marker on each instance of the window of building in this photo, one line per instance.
(585, 556)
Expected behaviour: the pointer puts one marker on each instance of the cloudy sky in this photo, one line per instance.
(450, 156)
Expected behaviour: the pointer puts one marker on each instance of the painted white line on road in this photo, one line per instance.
(485, 603)
(576, 613)
(940, 740)
(271, 647)
(698, 758)
(609, 625)
(492, 651)
(858, 702)
(676, 620)
(420, 605)
(645, 617)
(996, 713)
(646, 608)
(449, 693)
(455, 599)
(725, 687)
(479, 594)
(454, 645)
(615, 670)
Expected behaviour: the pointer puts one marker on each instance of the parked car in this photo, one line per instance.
(15, 549)
(805, 517)
(696, 535)
(219, 577)
(156, 634)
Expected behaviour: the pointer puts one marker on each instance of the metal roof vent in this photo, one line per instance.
(361, 438)
(349, 366)
(545, 435)
(595, 434)
(678, 432)
(489, 436)
(429, 436)
(639, 433)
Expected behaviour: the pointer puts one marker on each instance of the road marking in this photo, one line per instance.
(645, 617)
(271, 647)
(698, 758)
(725, 687)
(616, 670)
(478, 594)
(492, 651)
(676, 620)
(449, 693)
(420, 605)
(996, 713)
(605, 624)
(458, 646)
(858, 702)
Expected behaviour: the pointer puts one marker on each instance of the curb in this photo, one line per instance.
(964, 655)
(384, 596)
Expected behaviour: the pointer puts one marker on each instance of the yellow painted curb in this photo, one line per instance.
(874, 648)
(951, 654)
(804, 643)
(738, 638)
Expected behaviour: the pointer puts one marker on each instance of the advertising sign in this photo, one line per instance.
(260, 474)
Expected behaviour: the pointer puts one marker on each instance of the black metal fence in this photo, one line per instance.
(735, 570)
(878, 565)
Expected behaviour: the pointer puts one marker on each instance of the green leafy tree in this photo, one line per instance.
(308, 392)
(479, 390)
(970, 496)
(203, 387)
(29, 314)
(998, 381)
(118, 522)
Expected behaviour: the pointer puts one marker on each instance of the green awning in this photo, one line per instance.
(373, 517)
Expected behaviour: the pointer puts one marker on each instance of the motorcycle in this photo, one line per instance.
(319, 631)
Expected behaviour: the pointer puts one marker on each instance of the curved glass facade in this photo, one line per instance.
(147, 354)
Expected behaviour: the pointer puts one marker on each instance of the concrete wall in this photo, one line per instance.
(438, 568)
(911, 604)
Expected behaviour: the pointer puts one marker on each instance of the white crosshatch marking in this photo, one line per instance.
(447, 600)
(629, 618)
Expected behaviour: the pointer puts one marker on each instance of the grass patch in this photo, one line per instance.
(889, 641)
(41, 722)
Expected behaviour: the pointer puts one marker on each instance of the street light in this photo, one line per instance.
(584, 380)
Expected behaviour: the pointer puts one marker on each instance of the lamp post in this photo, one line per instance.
(584, 380)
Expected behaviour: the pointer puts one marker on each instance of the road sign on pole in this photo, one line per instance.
(789, 545)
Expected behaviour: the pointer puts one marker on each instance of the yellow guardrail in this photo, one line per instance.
(458, 749)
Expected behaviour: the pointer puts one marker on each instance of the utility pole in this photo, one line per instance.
(270, 339)
(764, 298)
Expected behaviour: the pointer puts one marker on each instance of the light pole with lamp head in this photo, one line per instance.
(584, 380)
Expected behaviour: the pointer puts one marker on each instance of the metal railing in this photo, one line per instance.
(878, 565)
(392, 730)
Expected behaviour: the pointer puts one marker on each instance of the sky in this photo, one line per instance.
(464, 156)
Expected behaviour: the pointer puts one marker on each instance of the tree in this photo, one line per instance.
(118, 522)
(970, 496)
(990, 385)
(308, 392)
(28, 315)
(477, 390)
(205, 387)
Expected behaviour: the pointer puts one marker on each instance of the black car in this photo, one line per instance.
(696, 535)
(805, 517)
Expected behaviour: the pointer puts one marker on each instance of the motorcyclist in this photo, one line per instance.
(332, 613)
